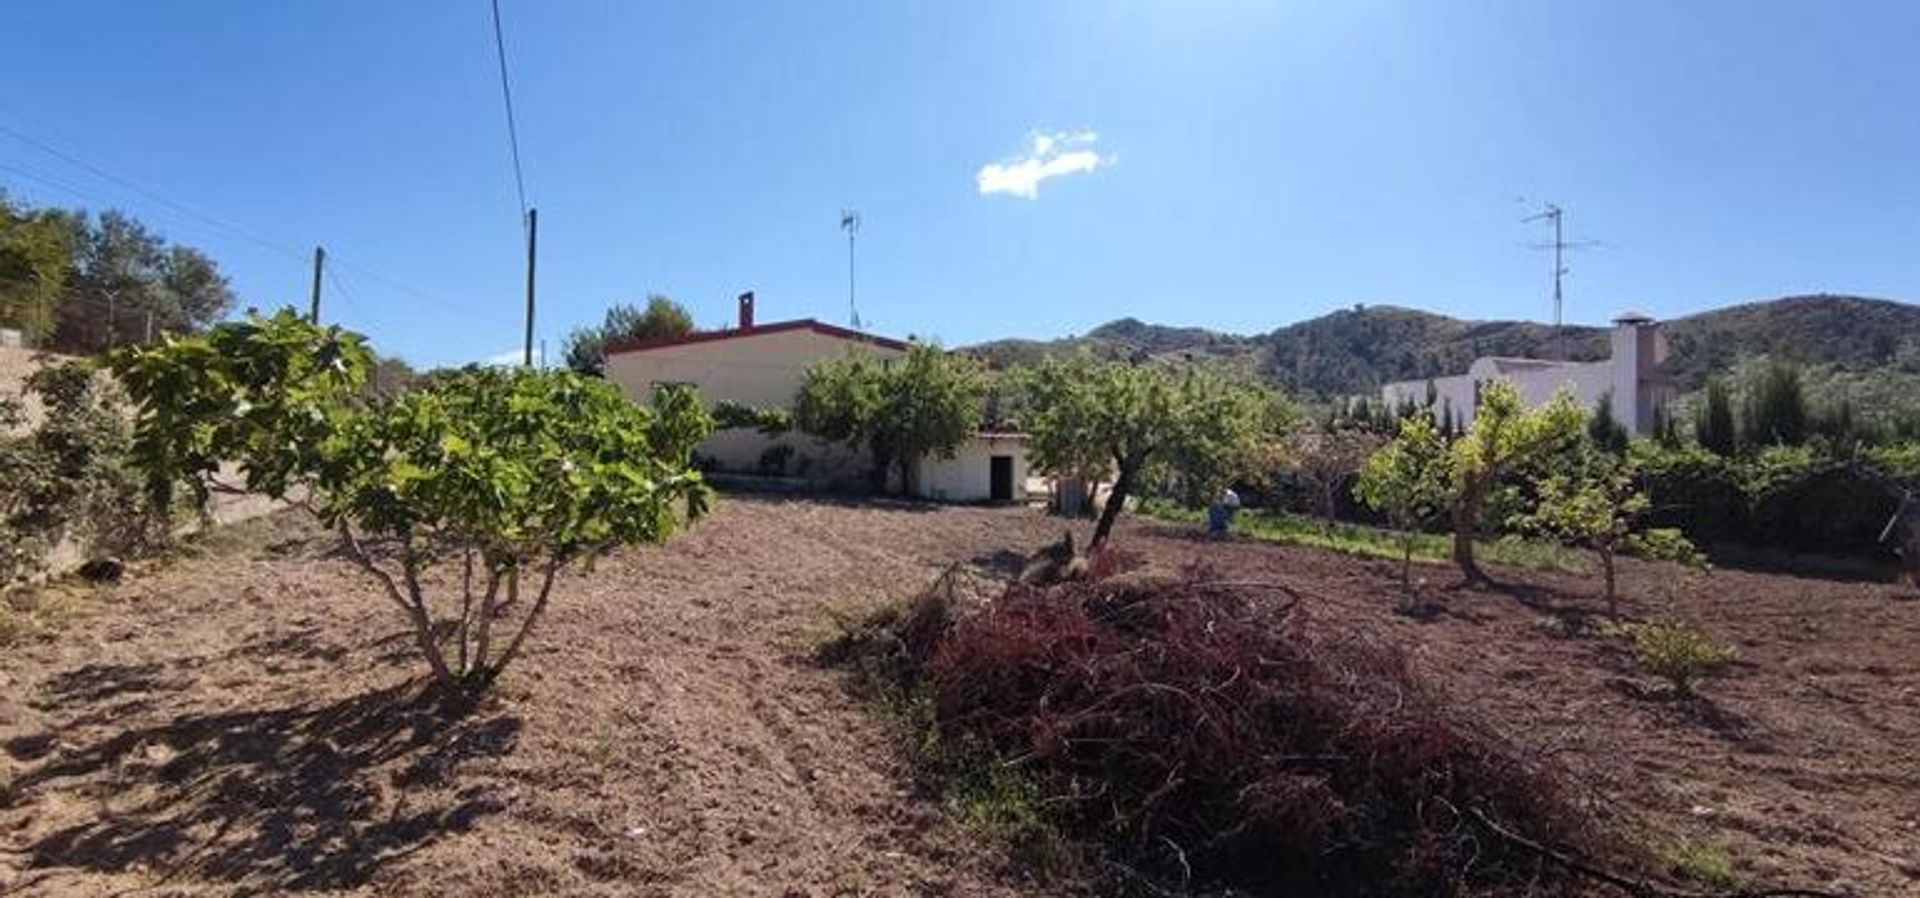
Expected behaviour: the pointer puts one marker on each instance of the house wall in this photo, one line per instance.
(757, 370)
(1631, 375)
(967, 476)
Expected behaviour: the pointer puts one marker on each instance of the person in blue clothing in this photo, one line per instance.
(1220, 513)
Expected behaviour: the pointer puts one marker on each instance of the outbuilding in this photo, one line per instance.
(763, 366)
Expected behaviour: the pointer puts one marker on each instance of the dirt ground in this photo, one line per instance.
(243, 723)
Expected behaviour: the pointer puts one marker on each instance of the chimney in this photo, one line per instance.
(746, 309)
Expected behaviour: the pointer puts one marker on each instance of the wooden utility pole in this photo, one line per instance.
(313, 307)
(533, 241)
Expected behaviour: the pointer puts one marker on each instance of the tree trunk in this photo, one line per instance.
(1406, 560)
(1606, 568)
(1116, 499)
(1466, 526)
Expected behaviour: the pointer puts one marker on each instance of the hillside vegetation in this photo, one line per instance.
(1354, 351)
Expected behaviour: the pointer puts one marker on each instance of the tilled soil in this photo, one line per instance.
(245, 723)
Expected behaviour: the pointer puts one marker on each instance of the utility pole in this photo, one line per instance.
(533, 240)
(850, 221)
(313, 306)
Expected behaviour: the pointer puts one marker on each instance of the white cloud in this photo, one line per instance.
(1050, 156)
(507, 359)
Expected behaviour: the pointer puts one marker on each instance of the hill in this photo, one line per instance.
(1354, 351)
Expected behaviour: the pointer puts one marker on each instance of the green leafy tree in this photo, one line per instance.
(1504, 434)
(586, 348)
(899, 410)
(1409, 480)
(1088, 418)
(127, 284)
(1602, 510)
(1713, 427)
(506, 473)
(36, 251)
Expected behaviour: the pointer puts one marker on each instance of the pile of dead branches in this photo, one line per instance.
(1211, 735)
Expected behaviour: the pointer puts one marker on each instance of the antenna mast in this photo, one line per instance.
(850, 222)
(1552, 213)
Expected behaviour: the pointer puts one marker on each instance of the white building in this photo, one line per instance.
(763, 365)
(1631, 377)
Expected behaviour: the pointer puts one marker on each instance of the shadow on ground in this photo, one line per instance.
(291, 798)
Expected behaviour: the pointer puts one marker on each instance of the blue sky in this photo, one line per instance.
(1238, 165)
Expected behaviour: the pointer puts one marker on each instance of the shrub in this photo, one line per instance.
(69, 478)
(1678, 653)
(503, 473)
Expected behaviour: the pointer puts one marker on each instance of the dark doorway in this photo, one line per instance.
(1000, 476)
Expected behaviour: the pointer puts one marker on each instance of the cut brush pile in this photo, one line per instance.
(1199, 734)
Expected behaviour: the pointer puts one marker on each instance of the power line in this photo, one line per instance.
(182, 208)
(506, 94)
(206, 219)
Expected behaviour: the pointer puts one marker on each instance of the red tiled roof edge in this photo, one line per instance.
(819, 327)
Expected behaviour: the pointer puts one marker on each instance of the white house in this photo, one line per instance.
(763, 366)
(1631, 377)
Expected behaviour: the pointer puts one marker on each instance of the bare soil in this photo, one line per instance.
(247, 722)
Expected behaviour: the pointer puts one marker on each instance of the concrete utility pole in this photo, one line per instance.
(533, 240)
(319, 262)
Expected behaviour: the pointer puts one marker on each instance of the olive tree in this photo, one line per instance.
(1091, 418)
(1504, 434)
(897, 410)
(1408, 481)
(504, 473)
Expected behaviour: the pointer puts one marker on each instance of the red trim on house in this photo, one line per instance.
(818, 327)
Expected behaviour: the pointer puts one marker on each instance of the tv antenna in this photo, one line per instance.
(850, 222)
(1550, 212)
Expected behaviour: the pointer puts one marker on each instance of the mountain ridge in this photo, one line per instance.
(1353, 351)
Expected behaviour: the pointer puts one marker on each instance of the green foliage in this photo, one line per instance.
(1598, 506)
(1603, 431)
(1703, 860)
(773, 422)
(266, 392)
(511, 473)
(1665, 544)
(586, 348)
(36, 250)
(1504, 435)
(127, 284)
(1776, 408)
(1363, 541)
(69, 478)
(1087, 418)
(899, 410)
(1679, 653)
(1408, 480)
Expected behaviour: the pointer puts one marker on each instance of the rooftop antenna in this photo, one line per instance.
(1550, 212)
(850, 222)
